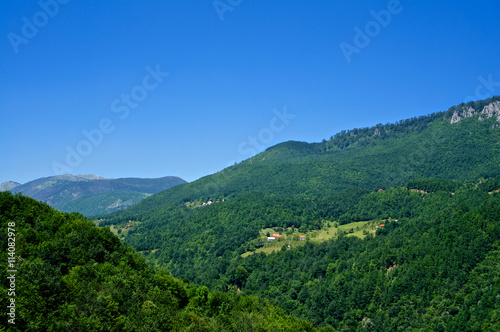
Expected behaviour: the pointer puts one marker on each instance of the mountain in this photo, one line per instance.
(8, 185)
(66, 274)
(377, 157)
(92, 194)
(430, 172)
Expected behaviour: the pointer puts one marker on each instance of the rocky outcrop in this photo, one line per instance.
(492, 109)
(462, 114)
(488, 111)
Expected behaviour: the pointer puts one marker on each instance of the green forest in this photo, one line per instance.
(419, 271)
(74, 276)
(436, 267)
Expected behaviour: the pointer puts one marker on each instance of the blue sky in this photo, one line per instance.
(242, 76)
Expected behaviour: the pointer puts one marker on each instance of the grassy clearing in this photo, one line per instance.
(333, 232)
(263, 232)
(265, 250)
(122, 229)
(360, 229)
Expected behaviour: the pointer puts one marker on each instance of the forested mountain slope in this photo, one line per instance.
(73, 276)
(382, 156)
(435, 265)
(300, 184)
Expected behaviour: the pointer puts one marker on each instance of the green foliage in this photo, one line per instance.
(490, 185)
(417, 264)
(197, 244)
(433, 185)
(442, 259)
(74, 276)
(370, 135)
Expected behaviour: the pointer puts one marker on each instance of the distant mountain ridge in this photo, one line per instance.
(8, 185)
(72, 193)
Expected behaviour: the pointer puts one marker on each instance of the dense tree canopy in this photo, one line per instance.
(440, 236)
(74, 276)
(429, 269)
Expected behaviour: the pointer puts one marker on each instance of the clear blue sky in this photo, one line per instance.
(69, 68)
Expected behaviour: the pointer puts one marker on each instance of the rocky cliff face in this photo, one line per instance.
(490, 110)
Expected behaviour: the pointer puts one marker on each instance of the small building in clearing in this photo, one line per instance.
(302, 237)
(270, 238)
